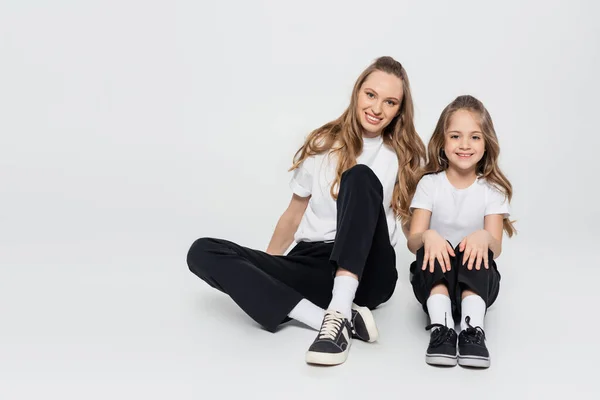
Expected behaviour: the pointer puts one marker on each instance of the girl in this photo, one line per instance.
(463, 201)
(353, 178)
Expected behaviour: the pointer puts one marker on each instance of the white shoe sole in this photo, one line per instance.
(473, 361)
(326, 358)
(440, 359)
(367, 316)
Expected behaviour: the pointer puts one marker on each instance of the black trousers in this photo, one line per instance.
(268, 287)
(484, 282)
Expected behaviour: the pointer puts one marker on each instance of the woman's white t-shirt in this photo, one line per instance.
(315, 176)
(456, 213)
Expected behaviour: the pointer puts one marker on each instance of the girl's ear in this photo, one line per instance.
(442, 158)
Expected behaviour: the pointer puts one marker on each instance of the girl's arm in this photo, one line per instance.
(435, 246)
(493, 224)
(406, 230)
(419, 223)
(476, 245)
(283, 236)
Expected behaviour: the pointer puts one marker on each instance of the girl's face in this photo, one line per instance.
(378, 102)
(463, 142)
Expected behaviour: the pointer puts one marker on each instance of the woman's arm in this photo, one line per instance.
(283, 236)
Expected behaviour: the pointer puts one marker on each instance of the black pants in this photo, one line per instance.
(484, 282)
(268, 287)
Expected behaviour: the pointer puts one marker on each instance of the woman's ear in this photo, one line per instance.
(399, 109)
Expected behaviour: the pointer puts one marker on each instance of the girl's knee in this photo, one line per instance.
(426, 274)
(463, 267)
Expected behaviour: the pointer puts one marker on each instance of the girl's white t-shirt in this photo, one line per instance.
(456, 213)
(315, 176)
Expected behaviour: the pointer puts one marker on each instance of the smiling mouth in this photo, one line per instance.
(372, 119)
(464, 155)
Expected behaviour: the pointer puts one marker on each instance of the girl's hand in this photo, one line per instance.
(436, 248)
(475, 248)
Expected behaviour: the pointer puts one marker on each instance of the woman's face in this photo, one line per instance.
(378, 102)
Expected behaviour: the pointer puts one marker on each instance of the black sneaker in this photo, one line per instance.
(471, 347)
(442, 346)
(363, 324)
(333, 341)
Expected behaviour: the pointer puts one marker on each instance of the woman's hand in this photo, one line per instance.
(475, 248)
(436, 248)
(287, 225)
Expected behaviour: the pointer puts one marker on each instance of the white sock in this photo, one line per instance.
(344, 289)
(439, 307)
(308, 313)
(474, 307)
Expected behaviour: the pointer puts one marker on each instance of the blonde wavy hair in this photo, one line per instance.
(343, 137)
(488, 166)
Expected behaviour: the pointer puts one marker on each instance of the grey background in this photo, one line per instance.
(130, 128)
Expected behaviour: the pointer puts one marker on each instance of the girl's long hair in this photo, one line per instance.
(488, 166)
(343, 137)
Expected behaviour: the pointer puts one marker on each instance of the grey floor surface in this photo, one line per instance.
(120, 318)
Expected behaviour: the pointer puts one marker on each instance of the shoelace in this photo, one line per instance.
(439, 335)
(473, 334)
(331, 326)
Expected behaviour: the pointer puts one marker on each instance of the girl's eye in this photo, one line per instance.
(476, 137)
(453, 136)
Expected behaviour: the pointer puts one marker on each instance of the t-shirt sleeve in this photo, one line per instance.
(424, 194)
(302, 178)
(497, 203)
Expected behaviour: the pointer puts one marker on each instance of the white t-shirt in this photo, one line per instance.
(456, 213)
(315, 176)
